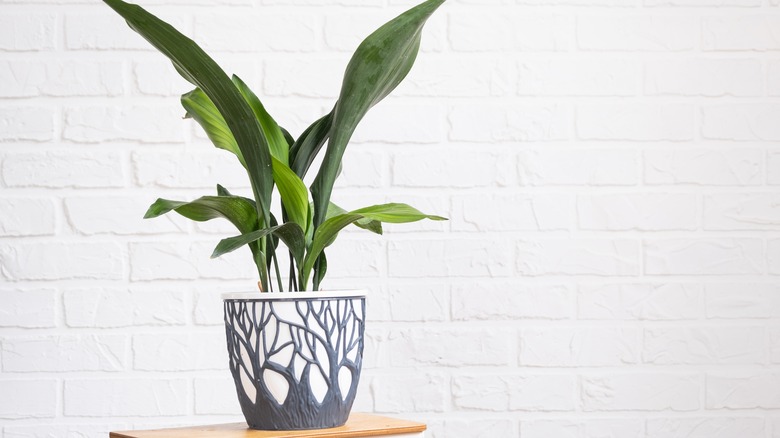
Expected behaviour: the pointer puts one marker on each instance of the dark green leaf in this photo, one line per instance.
(239, 211)
(277, 143)
(305, 149)
(290, 233)
(379, 64)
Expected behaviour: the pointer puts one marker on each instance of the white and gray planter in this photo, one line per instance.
(295, 357)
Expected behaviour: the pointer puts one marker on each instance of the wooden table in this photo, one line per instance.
(359, 425)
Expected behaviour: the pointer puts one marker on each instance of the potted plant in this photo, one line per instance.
(295, 357)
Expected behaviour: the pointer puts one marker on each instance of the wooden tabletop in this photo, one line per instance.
(359, 425)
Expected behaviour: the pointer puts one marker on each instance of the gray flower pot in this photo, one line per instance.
(295, 357)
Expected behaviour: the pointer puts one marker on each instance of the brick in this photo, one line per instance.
(622, 3)
(640, 392)
(215, 396)
(118, 215)
(741, 167)
(61, 78)
(741, 32)
(430, 347)
(773, 169)
(323, 2)
(203, 169)
(27, 31)
(28, 308)
(31, 399)
(310, 76)
(157, 77)
(27, 217)
(577, 167)
(81, 430)
(344, 31)
(510, 123)
(410, 392)
(421, 124)
(471, 169)
(586, 428)
(512, 212)
(456, 258)
(773, 256)
(105, 31)
(110, 307)
(63, 169)
(496, 392)
(419, 302)
(702, 3)
(137, 397)
(485, 428)
(179, 352)
(773, 77)
(725, 427)
(59, 261)
(704, 345)
(66, 353)
(186, 261)
(704, 77)
(145, 124)
(722, 256)
(742, 390)
(579, 346)
(350, 258)
(742, 300)
(362, 169)
(645, 211)
(257, 32)
(741, 122)
(528, 32)
(26, 124)
(774, 345)
(658, 33)
(435, 76)
(578, 257)
(663, 301)
(207, 308)
(637, 122)
(741, 211)
(578, 77)
(491, 301)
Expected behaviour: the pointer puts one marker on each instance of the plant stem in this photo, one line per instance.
(278, 274)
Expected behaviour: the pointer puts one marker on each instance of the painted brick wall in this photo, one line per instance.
(611, 169)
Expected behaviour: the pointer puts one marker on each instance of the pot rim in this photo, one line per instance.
(290, 296)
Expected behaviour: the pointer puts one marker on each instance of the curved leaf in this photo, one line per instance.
(295, 197)
(379, 64)
(290, 233)
(277, 142)
(198, 68)
(202, 110)
(365, 223)
(305, 149)
(239, 211)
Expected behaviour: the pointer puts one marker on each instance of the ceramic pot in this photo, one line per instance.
(295, 357)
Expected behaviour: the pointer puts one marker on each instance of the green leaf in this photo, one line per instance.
(221, 191)
(305, 149)
(198, 68)
(290, 233)
(277, 142)
(239, 211)
(328, 231)
(379, 64)
(295, 197)
(202, 109)
(365, 223)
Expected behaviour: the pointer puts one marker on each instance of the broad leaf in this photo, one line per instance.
(365, 223)
(239, 211)
(198, 68)
(277, 142)
(327, 232)
(290, 233)
(379, 64)
(202, 110)
(295, 197)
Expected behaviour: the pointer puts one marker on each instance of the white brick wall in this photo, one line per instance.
(611, 169)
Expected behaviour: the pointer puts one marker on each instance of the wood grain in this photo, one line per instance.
(359, 425)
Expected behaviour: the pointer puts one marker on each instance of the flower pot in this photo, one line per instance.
(295, 357)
